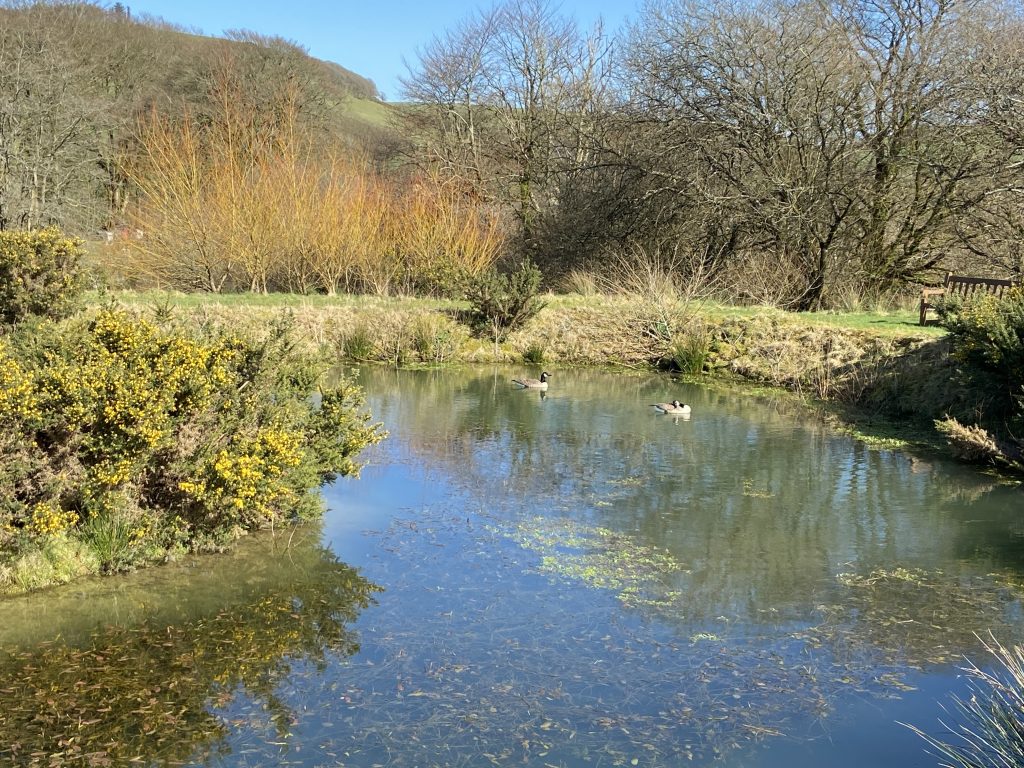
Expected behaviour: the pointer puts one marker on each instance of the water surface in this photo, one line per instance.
(564, 579)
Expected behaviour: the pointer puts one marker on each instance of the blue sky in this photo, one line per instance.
(370, 38)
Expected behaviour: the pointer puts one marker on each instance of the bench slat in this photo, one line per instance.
(964, 286)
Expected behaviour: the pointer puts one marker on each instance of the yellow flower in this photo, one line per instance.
(48, 519)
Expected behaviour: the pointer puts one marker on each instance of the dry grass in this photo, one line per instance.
(813, 355)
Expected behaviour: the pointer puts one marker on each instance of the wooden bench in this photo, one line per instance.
(963, 286)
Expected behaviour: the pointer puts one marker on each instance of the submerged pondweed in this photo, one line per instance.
(914, 617)
(600, 557)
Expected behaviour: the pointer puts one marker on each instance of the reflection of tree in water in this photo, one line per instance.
(151, 691)
(786, 568)
(538, 675)
(886, 618)
(763, 508)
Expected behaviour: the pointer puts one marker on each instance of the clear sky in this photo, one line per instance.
(368, 37)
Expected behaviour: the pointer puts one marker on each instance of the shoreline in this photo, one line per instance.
(877, 376)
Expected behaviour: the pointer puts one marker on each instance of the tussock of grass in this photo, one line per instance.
(61, 559)
(989, 733)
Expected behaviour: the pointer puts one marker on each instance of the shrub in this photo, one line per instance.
(39, 275)
(502, 303)
(987, 338)
(136, 438)
(436, 338)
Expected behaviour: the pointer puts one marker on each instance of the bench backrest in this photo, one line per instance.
(965, 287)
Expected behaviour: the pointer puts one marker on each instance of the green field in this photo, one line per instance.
(897, 323)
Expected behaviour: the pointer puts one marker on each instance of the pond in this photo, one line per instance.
(550, 579)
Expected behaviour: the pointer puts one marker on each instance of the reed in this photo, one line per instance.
(988, 731)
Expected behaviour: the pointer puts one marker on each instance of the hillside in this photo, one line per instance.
(80, 76)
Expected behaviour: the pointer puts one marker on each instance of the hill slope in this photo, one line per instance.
(79, 76)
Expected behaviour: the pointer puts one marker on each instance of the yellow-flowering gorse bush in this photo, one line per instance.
(143, 438)
(39, 274)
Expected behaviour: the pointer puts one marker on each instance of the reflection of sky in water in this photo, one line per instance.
(764, 509)
(818, 591)
(744, 486)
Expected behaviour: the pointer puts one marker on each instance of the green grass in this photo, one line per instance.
(375, 113)
(887, 324)
(896, 323)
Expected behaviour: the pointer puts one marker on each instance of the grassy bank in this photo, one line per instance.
(880, 372)
(574, 329)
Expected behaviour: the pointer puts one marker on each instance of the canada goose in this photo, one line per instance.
(541, 383)
(675, 407)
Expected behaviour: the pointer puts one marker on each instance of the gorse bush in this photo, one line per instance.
(987, 337)
(140, 439)
(39, 275)
(502, 303)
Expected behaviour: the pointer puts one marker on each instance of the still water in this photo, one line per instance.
(568, 579)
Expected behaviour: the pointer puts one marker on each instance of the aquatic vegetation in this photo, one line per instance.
(571, 679)
(559, 680)
(915, 617)
(601, 558)
(755, 493)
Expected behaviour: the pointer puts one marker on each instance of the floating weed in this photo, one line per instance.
(749, 490)
(880, 575)
(602, 558)
(705, 636)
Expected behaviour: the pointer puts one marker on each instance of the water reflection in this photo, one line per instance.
(177, 684)
(571, 580)
(763, 505)
(749, 523)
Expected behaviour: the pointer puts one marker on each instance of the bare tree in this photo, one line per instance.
(48, 117)
(842, 141)
(759, 101)
(505, 100)
(914, 128)
(992, 228)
